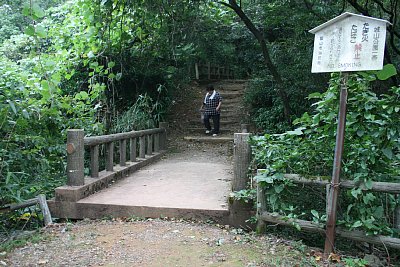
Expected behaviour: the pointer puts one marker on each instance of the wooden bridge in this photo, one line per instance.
(146, 181)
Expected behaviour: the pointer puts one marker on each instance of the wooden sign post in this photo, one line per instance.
(346, 43)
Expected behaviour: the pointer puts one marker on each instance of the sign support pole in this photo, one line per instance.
(334, 186)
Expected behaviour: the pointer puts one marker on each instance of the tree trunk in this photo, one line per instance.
(267, 59)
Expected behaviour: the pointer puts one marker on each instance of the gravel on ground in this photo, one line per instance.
(154, 242)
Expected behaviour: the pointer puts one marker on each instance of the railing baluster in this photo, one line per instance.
(94, 161)
(151, 141)
(149, 144)
(110, 156)
(163, 135)
(122, 152)
(157, 142)
(132, 147)
(142, 147)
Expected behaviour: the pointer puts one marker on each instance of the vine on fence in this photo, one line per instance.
(371, 153)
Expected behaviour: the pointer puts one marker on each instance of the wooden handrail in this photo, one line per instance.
(264, 216)
(76, 142)
(213, 71)
(103, 139)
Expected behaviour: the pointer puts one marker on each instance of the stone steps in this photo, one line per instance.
(232, 112)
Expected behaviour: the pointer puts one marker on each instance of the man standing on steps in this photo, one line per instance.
(212, 109)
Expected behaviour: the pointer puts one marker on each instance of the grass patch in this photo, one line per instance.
(21, 240)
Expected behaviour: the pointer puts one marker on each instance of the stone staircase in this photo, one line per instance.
(233, 113)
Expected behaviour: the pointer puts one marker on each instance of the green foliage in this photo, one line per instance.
(371, 153)
(245, 195)
(351, 262)
(36, 110)
(265, 106)
(144, 114)
(290, 49)
(11, 244)
(69, 67)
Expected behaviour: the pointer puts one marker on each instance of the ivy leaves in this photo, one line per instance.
(372, 152)
(35, 12)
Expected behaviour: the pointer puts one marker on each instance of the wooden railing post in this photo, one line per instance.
(45, 209)
(240, 212)
(241, 161)
(132, 150)
(75, 157)
(94, 161)
(142, 147)
(122, 152)
(110, 156)
(163, 135)
(261, 207)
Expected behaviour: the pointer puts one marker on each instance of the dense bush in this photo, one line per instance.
(371, 153)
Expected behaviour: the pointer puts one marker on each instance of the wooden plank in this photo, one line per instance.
(305, 225)
(313, 227)
(102, 139)
(393, 188)
(25, 204)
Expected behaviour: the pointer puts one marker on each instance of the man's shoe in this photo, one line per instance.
(215, 135)
(208, 131)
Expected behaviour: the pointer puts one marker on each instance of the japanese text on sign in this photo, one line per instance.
(352, 44)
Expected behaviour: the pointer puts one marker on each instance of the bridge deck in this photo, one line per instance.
(171, 183)
(183, 185)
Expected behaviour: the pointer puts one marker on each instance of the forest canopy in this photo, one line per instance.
(92, 64)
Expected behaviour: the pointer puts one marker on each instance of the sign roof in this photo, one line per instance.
(343, 16)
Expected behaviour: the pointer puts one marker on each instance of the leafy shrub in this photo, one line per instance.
(266, 107)
(371, 153)
(144, 114)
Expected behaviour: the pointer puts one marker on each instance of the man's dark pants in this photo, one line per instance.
(215, 119)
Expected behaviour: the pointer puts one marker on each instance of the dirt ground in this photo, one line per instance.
(132, 242)
(158, 242)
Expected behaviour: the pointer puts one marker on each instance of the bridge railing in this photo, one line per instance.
(141, 143)
(212, 71)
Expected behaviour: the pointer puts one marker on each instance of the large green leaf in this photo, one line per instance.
(30, 30)
(41, 31)
(388, 71)
(38, 11)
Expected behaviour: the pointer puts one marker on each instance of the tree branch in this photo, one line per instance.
(267, 58)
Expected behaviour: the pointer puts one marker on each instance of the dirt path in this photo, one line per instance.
(154, 243)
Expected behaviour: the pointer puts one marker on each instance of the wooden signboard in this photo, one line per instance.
(349, 42)
(346, 43)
